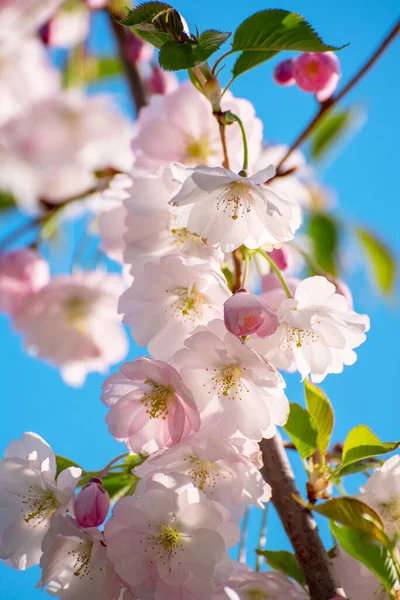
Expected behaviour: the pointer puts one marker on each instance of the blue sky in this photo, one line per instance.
(365, 178)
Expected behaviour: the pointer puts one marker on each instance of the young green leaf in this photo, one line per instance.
(120, 484)
(175, 55)
(356, 514)
(64, 463)
(362, 443)
(301, 429)
(321, 411)
(376, 558)
(324, 234)
(209, 42)
(143, 14)
(267, 32)
(331, 129)
(285, 562)
(380, 259)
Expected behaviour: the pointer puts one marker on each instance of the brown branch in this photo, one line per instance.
(335, 99)
(222, 133)
(298, 522)
(132, 72)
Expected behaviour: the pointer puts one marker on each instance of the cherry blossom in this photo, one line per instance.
(317, 72)
(92, 504)
(247, 585)
(137, 50)
(166, 536)
(83, 136)
(160, 81)
(111, 221)
(247, 314)
(150, 406)
(180, 127)
(235, 388)
(20, 18)
(150, 227)
(283, 73)
(22, 272)
(80, 309)
(29, 496)
(74, 563)
(169, 299)
(316, 330)
(67, 28)
(358, 582)
(216, 467)
(382, 491)
(227, 210)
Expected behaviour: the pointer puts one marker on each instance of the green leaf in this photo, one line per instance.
(120, 484)
(143, 14)
(331, 129)
(321, 411)
(324, 235)
(285, 562)
(267, 32)
(376, 558)
(362, 443)
(64, 463)
(301, 429)
(356, 514)
(358, 467)
(175, 55)
(380, 259)
(6, 200)
(155, 38)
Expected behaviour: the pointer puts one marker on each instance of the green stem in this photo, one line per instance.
(221, 58)
(104, 471)
(245, 270)
(234, 117)
(276, 271)
(262, 540)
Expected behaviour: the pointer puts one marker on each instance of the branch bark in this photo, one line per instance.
(132, 72)
(298, 522)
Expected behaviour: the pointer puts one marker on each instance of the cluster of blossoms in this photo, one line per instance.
(177, 223)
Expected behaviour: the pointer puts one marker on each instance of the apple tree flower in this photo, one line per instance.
(30, 494)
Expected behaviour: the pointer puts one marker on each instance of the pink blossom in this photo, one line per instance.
(281, 257)
(67, 28)
(180, 127)
(81, 311)
(92, 504)
(96, 4)
(22, 18)
(22, 272)
(246, 584)
(317, 72)
(137, 50)
(161, 82)
(283, 73)
(248, 314)
(150, 406)
(184, 534)
(111, 221)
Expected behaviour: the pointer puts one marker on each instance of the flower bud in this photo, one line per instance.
(283, 73)
(160, 81)
(96, 4)
(317, 72)
(92, 504)
(22, 272)
(137, 50)
(213, 92)
(280, 257)
(248, 314)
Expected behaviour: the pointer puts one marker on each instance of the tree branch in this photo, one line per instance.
(134, 78)
(298, 522)
(335, 99)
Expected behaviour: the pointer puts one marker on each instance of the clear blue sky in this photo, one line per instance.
(366, 179)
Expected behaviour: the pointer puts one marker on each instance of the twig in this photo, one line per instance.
(298, 522)
(262, 540)
(335, 99)
(243, 536)
(134, 78)
(222, 133)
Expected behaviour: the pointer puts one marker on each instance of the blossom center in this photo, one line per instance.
(255, 594)
(391, 512)
(203, 472)
(187, 304)
(81, 556)
(296, 337)
(235, 200)
(312, 69)
(227, 382)
(158, 401)
(37, 506)
(198, 150)
(167, 543)
(77, 312)
(182, 236)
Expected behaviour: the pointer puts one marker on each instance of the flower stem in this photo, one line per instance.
(245, 270)
(222, 134)
(234, 117)
(276, 271)
(335, 99)
(104, 471)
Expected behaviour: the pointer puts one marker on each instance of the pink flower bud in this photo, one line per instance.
(317, 72)
(281, 258)
(248, 314)
(137, 50)
(92, 504)
(161, 82)
(96, 4)
(283, 73)
(22, 272)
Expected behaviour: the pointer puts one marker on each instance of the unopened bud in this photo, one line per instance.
(213, 92)
(318, 73)
(137, 50)
(161, 82)
(280, 257)
(283, 73)
(92, 504)
(248, 314)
